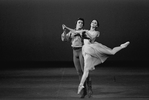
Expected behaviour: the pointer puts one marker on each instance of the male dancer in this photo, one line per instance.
(78, 60)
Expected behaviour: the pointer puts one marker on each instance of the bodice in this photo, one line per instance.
(86, 41)
(89, 37)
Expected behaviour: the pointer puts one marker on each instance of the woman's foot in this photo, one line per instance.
(80, 88)
(124, 45)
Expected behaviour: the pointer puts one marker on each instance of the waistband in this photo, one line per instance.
(76, 48)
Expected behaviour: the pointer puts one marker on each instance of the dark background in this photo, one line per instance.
(30, 30)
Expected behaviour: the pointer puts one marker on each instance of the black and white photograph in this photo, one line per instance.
(74, 49)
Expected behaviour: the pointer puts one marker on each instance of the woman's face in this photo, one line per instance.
(94, 23)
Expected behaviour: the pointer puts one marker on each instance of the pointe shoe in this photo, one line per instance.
(124, 45)
(80, 88)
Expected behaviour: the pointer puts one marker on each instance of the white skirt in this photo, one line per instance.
(98, 54)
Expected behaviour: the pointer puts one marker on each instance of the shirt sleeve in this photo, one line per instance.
(66, 36)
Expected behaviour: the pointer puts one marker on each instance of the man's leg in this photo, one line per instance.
(89, 86)
(77, 63)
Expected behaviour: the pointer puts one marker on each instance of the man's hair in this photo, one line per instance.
(81, 19)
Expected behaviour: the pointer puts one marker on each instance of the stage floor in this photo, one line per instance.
(109, 83)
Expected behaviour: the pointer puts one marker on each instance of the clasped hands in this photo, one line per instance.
(63, 26)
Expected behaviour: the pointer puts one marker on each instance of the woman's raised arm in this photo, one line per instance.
(72, 30)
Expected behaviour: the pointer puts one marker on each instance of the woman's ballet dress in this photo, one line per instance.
(97, 52)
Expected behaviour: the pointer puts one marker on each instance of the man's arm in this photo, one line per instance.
(65, 36)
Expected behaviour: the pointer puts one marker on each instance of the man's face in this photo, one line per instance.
(79, 24)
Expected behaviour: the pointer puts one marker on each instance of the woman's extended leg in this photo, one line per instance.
(116, 49)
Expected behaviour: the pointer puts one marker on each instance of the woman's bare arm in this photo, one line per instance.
(72, 30)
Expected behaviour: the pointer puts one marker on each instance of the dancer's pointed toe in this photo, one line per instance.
(80, 88)
(124, 45)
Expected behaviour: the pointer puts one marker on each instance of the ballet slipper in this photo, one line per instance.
(124, 45)
(80, 88)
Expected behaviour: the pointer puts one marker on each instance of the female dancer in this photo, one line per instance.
(94, 53)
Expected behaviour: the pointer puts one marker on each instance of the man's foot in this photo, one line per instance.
(80, 88)
(83, 93)
(90, 92)
(124, 45)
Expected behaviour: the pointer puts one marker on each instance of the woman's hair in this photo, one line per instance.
(81, 19)
(97, 22)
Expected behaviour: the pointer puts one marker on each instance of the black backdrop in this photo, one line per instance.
(30, 29)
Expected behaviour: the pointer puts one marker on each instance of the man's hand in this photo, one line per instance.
(63, 26)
